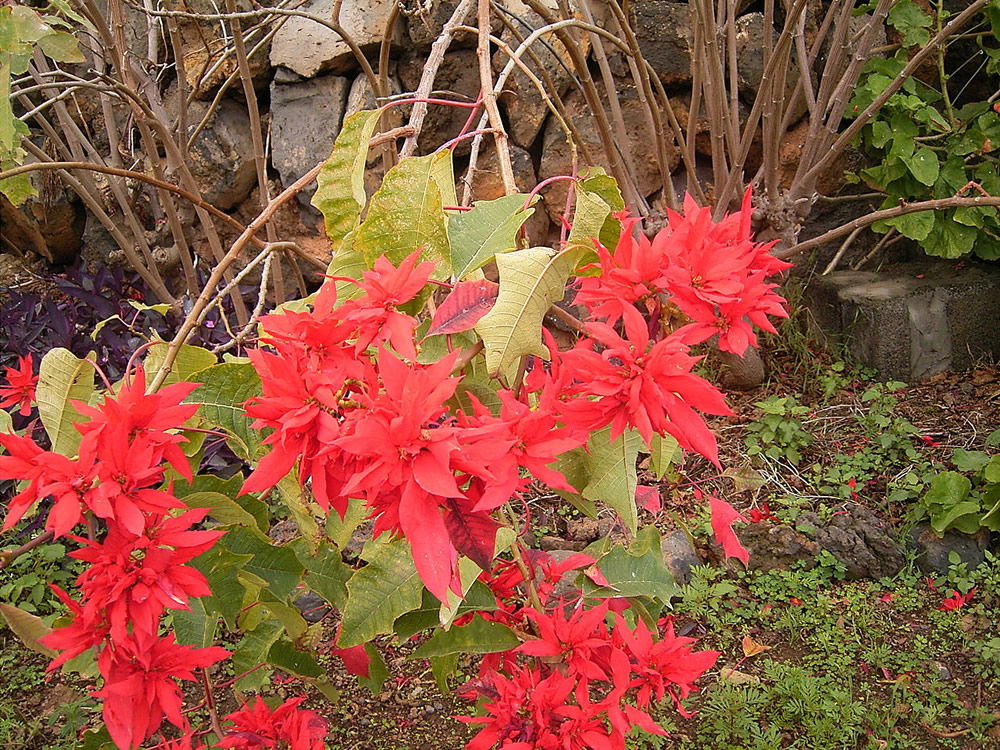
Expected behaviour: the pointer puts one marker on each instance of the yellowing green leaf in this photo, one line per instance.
(340, 195)
(63, 378)
(489, 229)
(387, 587)
(406, 214)
(531, 280)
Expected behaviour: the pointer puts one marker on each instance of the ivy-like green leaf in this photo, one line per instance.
(489, 229)
(223, 391)
(277, 565)
(611, 473)
(387, 587)
(478, 637)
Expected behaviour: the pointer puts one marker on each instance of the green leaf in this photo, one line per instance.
(230, 488)
(294, 497)
(949, 239)
(406, 214)
(190, 359)
(340, 192)
(253, 650)
(224, 390)
(290, 617)
(62, 47)
(442, 667)
(489, 229)
(923, 164)
(611, 472)
(478, 637)
(221, 508)
(969, 460)
(917, 225)
(326, 574)
(6, 423)
(27, 627)
(63, 378)
(947, 488)
(195, 627)
(340, 530)
(940, 522)
(531, 280)
(277, 565)
(907, 18)
(387, 587)
(637, 571)
(598, 184)
(416, 620)
(665, 453)
(992, 471)
(284, 655)
(220, 567)
(377, 670)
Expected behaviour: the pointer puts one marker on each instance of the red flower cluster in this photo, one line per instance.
(137, 569)
(590, 683)
(362, 422)
(20, 388)
(258, 727)
(713, 273)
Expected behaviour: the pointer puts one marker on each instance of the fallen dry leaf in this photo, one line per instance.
(752, 648)
(726, 674)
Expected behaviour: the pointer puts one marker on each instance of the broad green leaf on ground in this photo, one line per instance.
(406, 214)
(923, 164)
(221, 396)
(190, 359)
(611, 473)
(531, 280)
(637, 571)
(196, 626)
(489, 229)
(62, 378)
(387, 587)
(917, 226)
(27, 627)
(340, 193)
(253, 650)
(478, 637)
(295, 498)
(326, 573)
(277, 565)
(948, 238)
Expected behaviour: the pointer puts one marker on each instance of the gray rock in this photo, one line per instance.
(557, 155)
(308, 48)
(663, 30)
(458, 75)
(221, 158)
(583, 529)
(553, 543)
(305, 121)
(428, 18)
(679, 555)
(750, 36)
(312, 606)
(858, 539)
(911, 321)
(934, 550)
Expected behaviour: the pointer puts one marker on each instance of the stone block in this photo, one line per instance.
(308, 48)
(305, 121)
(914, 320)
(663, 30)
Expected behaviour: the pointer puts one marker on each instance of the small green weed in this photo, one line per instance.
(779, 433)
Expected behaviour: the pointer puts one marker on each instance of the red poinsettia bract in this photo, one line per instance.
(258, 727)
(20, 388)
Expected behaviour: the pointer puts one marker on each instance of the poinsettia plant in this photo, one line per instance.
(413, 392)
